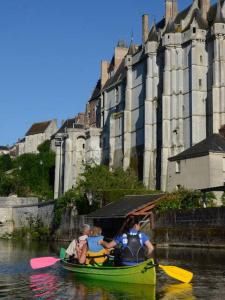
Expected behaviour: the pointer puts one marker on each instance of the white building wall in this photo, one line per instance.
(194, 174)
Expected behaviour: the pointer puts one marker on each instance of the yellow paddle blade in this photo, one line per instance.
(178, 273)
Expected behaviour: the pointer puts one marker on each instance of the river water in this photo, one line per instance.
(19, 281)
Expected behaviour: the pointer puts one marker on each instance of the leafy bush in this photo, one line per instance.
(184, 200)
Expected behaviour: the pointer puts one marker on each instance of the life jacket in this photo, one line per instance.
(96, 253)
(133, 251)
(97, 257)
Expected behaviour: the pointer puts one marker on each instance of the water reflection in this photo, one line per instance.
(44, 285)
(182, 291)
(19, 281)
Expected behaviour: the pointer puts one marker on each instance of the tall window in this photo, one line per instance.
(116, 95)
(177, 166)
(223, 164)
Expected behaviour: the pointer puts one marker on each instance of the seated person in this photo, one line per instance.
(134, 245)
(96, 253)
(75, 249)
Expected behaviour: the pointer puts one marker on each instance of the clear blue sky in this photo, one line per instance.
(50, 53)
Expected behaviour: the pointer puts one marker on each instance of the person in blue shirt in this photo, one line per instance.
(131, 247)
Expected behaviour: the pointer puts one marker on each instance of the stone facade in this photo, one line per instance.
(166, 95)
(76, 144)
(155, 100)
(18, 212)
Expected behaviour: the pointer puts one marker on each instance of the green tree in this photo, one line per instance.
(6, 163)
(32, 174)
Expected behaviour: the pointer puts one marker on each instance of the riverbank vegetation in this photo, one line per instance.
(29, 174)
(184, 200)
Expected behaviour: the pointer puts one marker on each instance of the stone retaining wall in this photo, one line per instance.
(201, 227)
(18, 212)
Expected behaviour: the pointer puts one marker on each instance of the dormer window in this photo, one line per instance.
(194, 30)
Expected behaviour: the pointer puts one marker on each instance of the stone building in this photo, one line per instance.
(166, 95)
(76, 144)
(158, 99)
(199, 167)
(36, 135)
(4, 150)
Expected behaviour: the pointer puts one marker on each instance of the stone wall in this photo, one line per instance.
(20, 212)
(201, 227)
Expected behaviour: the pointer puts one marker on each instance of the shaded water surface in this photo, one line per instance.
(18, 281)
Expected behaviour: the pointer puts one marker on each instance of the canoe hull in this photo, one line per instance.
(143, 273)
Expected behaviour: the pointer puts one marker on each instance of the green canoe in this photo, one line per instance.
(143, 273)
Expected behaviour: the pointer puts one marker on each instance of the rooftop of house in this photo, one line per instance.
(213, 143)
(69, 123)
(37, 128)
(4, 148)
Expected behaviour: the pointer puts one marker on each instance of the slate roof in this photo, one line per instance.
(69, 123)
(37, 128)
(119, 75)
(97, 90)
(214, 143)
(121, 208)
(4, 148)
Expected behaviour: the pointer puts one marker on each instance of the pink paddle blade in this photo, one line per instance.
(42, 262)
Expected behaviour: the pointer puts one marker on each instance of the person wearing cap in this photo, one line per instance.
(78, 246)
(131, 247)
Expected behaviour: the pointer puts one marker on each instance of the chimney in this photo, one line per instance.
(119, 54)
(145, 28)
(104, 72)
(204, 6)
(171, 10)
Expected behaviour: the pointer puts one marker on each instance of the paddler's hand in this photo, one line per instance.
(100, 242)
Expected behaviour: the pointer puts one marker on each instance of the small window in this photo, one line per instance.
(194, 30)
(200, 83)
(177, 166)
(83, 146)
(201, 59)
(223, 164)
(117, 95)
(178, 187)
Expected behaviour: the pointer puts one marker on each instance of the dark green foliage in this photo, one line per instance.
(5, 163)
(29, 174)
(184, 200)
(75, 198)
(99, 178)
(103, 185)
